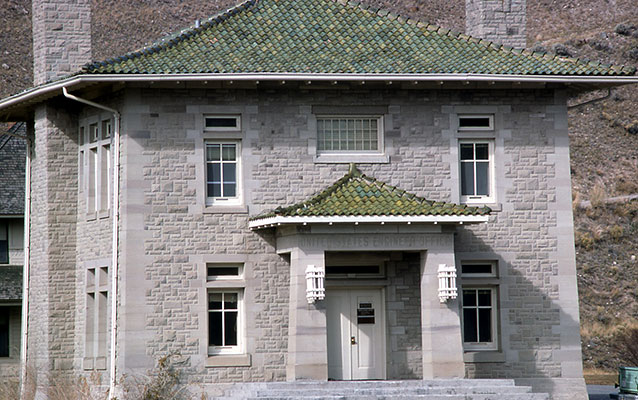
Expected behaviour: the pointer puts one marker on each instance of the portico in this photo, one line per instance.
(346, 336)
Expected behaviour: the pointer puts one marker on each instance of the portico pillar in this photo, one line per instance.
(440, 322)
(307, 340)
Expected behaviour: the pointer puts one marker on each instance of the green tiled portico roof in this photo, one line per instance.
(333, 37)
(358, 195)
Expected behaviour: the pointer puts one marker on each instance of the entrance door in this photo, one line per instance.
(356, 339)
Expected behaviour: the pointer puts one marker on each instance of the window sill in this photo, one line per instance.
(225, 209)
(351, 157)
(496, 207)
(228, 360)
(486, 356)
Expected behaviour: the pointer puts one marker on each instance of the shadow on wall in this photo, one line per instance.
(530, 321)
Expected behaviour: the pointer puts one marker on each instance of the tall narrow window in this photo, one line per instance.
(4, 331)
(476, 171)
(479, 318)
(95, 174)
(4, 243)
(96, 318)
(222, 171)
(224, 322)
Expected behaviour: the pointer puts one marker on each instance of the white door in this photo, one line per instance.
(356, 339)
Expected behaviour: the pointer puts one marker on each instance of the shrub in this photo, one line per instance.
(163, 383)
(623, 29)
(597, 195)
(616, 232)
(561, 50)
(627, 346)
(584, 240)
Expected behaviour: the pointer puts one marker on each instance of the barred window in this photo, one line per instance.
(348, 134)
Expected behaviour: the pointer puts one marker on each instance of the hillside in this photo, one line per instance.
(604, 134)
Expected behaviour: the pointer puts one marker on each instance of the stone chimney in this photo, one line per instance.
(500, 21)
(61, 38)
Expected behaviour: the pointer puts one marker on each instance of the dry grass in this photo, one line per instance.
(595, 376)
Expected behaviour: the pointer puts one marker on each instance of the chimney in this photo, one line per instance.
(61, 38)
(500, 21)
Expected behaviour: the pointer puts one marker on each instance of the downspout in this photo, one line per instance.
(115, 218)
(25, 271)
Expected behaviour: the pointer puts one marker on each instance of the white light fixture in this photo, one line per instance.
(315, 289)
(447, 282)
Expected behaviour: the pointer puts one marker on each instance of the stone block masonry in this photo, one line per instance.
(500, 21)
(61, 38)
(52, 305)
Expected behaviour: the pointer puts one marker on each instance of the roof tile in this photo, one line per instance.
(356, 194)
(333, 36)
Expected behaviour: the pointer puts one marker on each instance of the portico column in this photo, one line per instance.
(440, 322)
(307, 340)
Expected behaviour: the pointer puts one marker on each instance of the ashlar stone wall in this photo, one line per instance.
(168, 232)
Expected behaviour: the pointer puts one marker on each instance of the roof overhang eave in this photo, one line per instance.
(42, 92)
(276, 221)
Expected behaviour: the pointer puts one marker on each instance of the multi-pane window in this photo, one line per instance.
(479, 302)
(478, 315)
(95, 170)
(96, 317)
(222, 170)
(4, 243)
(4, 331)
(224, 322)
(349, 134)
(476, 171)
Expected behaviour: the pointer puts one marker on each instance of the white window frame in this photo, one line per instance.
(221, 201)
(97, 202)
(478, 199)
(240, 347)
(354, 153)
(492, 274)
(239, 276)
(490, 127)
(236, 128)
(485, 346)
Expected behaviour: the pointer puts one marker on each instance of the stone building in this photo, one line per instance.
(12, 158)
(302, 190)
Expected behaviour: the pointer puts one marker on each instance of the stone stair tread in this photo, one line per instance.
(343, 391)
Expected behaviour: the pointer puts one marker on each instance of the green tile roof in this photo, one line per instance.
(356, 194)
(333, 36)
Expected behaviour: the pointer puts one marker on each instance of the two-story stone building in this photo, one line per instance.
(303, 190)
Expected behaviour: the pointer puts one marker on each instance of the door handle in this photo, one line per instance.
(353, 340)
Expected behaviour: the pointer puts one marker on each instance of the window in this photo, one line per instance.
(223, 123)
(479, 318)
(223, 271)
(224, 322)
(222, 172)
(95, 170)
(478, 269)
(4, 243)
(96, 317)
(476, 165)
(4, 331)
(479, 303)
(348, 134)
(472, 122)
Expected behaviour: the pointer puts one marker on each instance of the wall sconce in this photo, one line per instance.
(447, 282)
(315, 289)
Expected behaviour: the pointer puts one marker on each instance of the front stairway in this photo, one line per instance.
(438, 389)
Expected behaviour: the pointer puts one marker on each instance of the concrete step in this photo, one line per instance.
(387, 391)
(438, 389)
